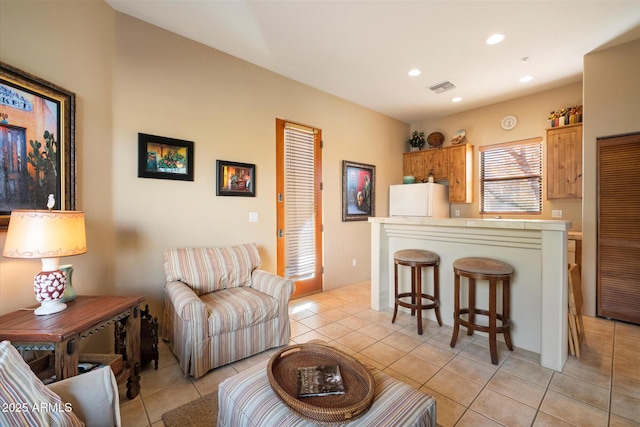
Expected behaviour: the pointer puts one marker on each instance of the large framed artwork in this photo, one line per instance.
(358, 191)
(235, 179)
(37, 143)
(165, 158)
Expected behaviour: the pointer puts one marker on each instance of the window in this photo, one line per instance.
(511, 177)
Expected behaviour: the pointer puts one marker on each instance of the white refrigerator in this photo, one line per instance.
(422, 200)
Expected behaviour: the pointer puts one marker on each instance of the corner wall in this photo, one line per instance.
(131, 77)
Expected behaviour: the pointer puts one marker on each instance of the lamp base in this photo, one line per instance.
(50, 307)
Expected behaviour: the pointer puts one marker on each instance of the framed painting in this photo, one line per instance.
(165, 158)
(358, 191)
(37, 143)
(235, 179)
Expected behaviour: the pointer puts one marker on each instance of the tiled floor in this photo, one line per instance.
(602, 388)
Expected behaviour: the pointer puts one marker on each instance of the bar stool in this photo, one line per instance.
(493, 271)
(417, 259)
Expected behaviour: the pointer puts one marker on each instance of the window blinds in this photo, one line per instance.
(511, 177)
(299, 146)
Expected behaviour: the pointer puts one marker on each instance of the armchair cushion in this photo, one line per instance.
(24, 400)
(212, 269)
(238, 308)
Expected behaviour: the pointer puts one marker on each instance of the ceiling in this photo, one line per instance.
(361, 51)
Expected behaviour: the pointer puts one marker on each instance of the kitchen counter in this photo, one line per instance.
(537, 249)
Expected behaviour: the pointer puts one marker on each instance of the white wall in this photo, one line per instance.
(482, 126)
(612, 101)
(132, 77)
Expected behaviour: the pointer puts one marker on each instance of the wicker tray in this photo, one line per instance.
(358, 381)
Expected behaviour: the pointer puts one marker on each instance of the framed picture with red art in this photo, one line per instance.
(358, 191)
(37, 143)
(235, 179)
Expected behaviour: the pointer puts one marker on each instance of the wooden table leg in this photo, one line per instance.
(132, 330)
(66, 358)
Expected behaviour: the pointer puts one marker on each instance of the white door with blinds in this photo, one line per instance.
(299, 200)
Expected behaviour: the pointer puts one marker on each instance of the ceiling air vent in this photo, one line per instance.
(442, 87)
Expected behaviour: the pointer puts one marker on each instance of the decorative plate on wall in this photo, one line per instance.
(458, 137)
(435, 139)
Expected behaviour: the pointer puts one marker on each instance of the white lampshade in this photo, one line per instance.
(46, 235)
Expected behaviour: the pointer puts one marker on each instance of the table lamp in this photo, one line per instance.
(47, 235)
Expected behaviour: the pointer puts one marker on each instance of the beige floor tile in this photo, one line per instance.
(474, 419)
(581, 390)
(402, 341)
(309, 336)
(448, 411)
(546, 420)
(454, 387)
(516, 388)
(573, 411)
(249, 362)
(481, 354)
(527, 371)
(443, 340)
(335, 314)
(434, 355)
(315, 321)
(415, 368)
(503, 409)
(404, 379)
(354, 322)
(625, 406)
(133, 414)
(627, 362)
(298, 329)
(334, 330)
(356, 341)
(167, 399)
(376, 331)
(382, 353)
(368, 361)
(618, 421)
(375, 316)
(471, 370)
(300, 314)
(591, 367)
(152, 381)
(626, 385)
(529, 356)
(210, 381)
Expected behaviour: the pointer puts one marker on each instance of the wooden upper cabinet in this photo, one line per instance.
(436, 161)
(564, 162)
(413, 165)
(460, 173)
(452, 163)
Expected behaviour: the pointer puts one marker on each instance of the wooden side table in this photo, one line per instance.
(61, 332)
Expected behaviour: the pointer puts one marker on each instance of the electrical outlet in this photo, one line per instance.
(457, 212)
(556, 213)
(253, 216)
(354, 262)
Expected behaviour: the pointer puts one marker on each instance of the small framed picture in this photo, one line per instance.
(164, 158)
(235, 179)
(358, 191)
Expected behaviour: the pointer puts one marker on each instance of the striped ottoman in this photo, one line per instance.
(247, 399)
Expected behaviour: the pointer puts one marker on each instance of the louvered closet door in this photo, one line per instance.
(299, 206)
(618, 287)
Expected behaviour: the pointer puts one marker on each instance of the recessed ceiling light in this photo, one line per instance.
(496, 38)
(456, 99)
(415, 72)
(525, 79)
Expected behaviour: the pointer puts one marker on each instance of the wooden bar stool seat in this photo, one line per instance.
(417, 259)
(493, 271)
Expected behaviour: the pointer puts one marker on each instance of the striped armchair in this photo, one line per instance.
(220, 308)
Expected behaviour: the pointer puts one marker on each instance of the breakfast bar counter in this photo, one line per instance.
(537, 250)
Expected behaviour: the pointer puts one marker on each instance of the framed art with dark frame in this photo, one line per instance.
(165, 158)
(37, 143)
(358, 191)
(235, 179)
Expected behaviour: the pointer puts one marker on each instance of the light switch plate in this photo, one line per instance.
(556, 213)
(253, 216)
